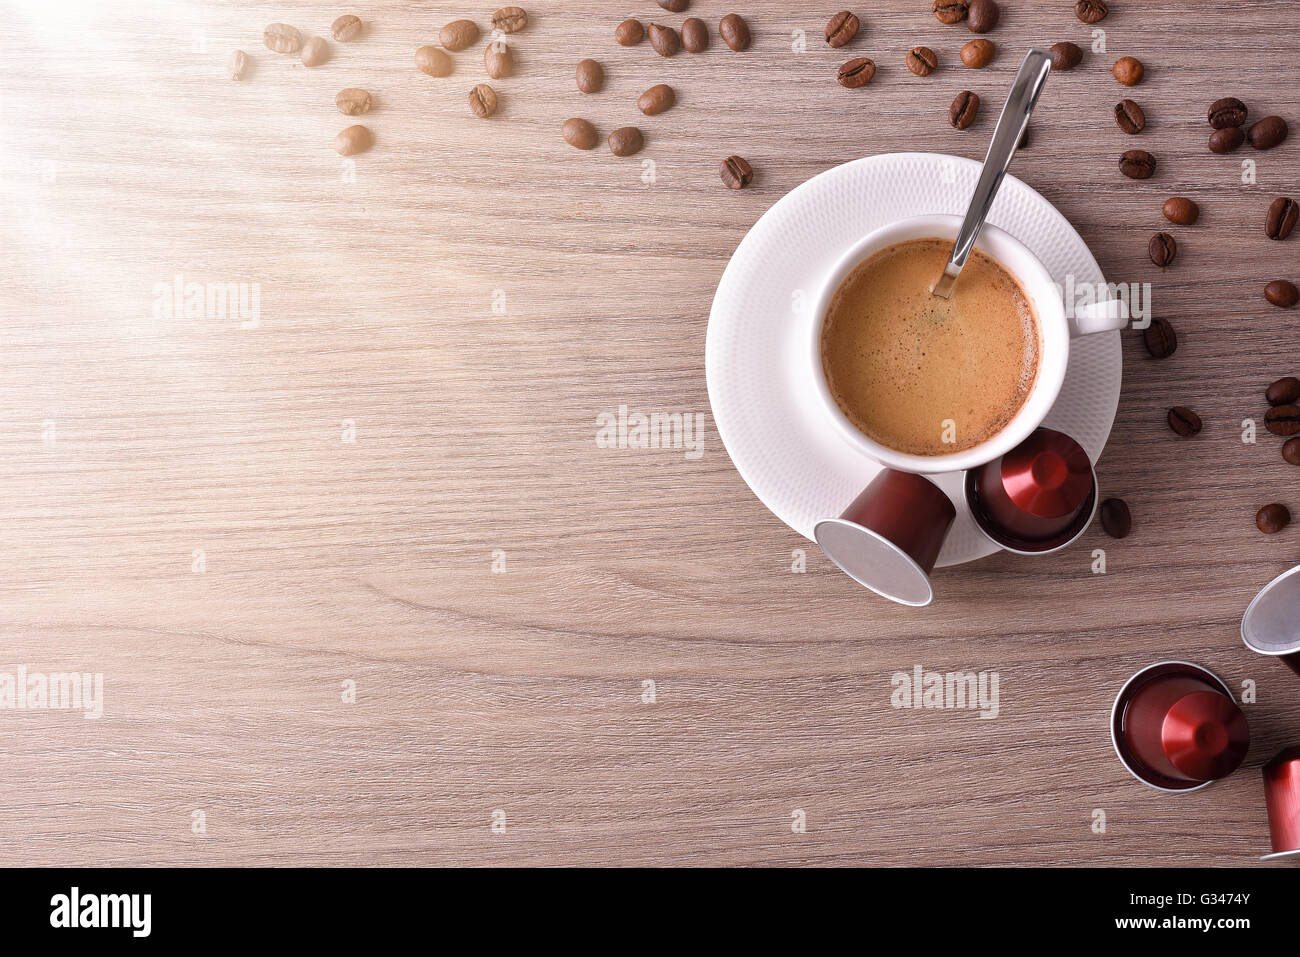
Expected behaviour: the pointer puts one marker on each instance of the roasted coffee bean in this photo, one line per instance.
(1282, 293)
(458, 35)
(855, 73)
(736, 172)
(591, 76)
(1091, 11)
(355, 139)
(579, 133)
(346, 28)
(922, 61)
(841, 28)
(315, 52)
(674, 6)
(1281, 217)
(1271, 519)
(1137, 164)
(1129, 117)
(656, 99)
(1227, 139)
(510, 19)
(352, 102)
(978, 53)
(963, 110)
(1128, 70)
(1266, 133)
(629, 33)
(664, 40)
(695, 35)
(433, 61)
(1226, 112)
(1181, 210)
(1160, 339)
(282, 38)
(1284, 391)
(498, 59)
(483, 101)
(625, 141)
(1183, 420)
(1066, 55)
(734, 32)
(982, 15)
(1162, 249)
(237, 66)
(950, 11)
(1116, 520)
(1291, 451)
(1283, 419)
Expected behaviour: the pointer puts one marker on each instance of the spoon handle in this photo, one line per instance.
(1006, 137)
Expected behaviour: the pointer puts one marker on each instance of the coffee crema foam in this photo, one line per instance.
(924, 375)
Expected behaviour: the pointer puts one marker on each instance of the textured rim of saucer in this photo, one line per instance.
(902, 555)
(1115, 716)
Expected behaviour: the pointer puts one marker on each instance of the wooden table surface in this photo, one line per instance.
(390, 481)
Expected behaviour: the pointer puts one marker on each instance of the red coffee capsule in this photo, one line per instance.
(1282, 798)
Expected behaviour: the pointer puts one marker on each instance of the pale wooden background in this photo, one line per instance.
(129, 158)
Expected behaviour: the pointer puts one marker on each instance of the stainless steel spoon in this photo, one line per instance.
(1006, 138)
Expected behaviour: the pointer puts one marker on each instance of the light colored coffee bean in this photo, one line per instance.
(509, 19)
(458, 35)
(352, 101)
(483, 100)
(591, 76)
(625, 141)
(238, 65)
(346, 28)
(433, 61)
(498, 60)
(656, 99)
(579, 133)
(355, 139)
(282, 38)
(315, 52)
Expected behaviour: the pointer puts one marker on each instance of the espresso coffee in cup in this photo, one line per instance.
(924, 375)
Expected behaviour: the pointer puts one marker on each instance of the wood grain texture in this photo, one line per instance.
(129, 159)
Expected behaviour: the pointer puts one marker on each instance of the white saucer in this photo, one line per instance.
(760, 386)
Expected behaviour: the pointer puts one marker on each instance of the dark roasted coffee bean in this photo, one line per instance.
(1226, 112)
(1116, 520)
(978, 53)
(1128, 70)
(1066, 55)
(1137, 164)
(855, 73)
(1285, 391)
(1181, 210)
(1160, 339)
(734, 31)
(1267, 133)
(1283, 419)
(625, 141)
(982, 15)
(841, 28)
(736, 172)
(591, 76)
(674, 6)
(1271, 519)
(579, 133)
(656, 99)
(1162, 249)
(664, 39)
(1091, 11)
(695, 35)
(1227, 139)
(922, 61)
(1183, 420)
(483, 101)
(629, 33)
(950, 11)
(1281, 217)
(963, 110)
(1282, 293)
(1130, 117)
(1291, 451)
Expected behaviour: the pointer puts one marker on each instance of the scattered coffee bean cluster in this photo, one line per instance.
(667, 41)
(498, 56)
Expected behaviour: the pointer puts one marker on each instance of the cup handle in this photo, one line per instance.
(1100, 316)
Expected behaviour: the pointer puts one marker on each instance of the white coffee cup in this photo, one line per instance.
(1054, 327)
